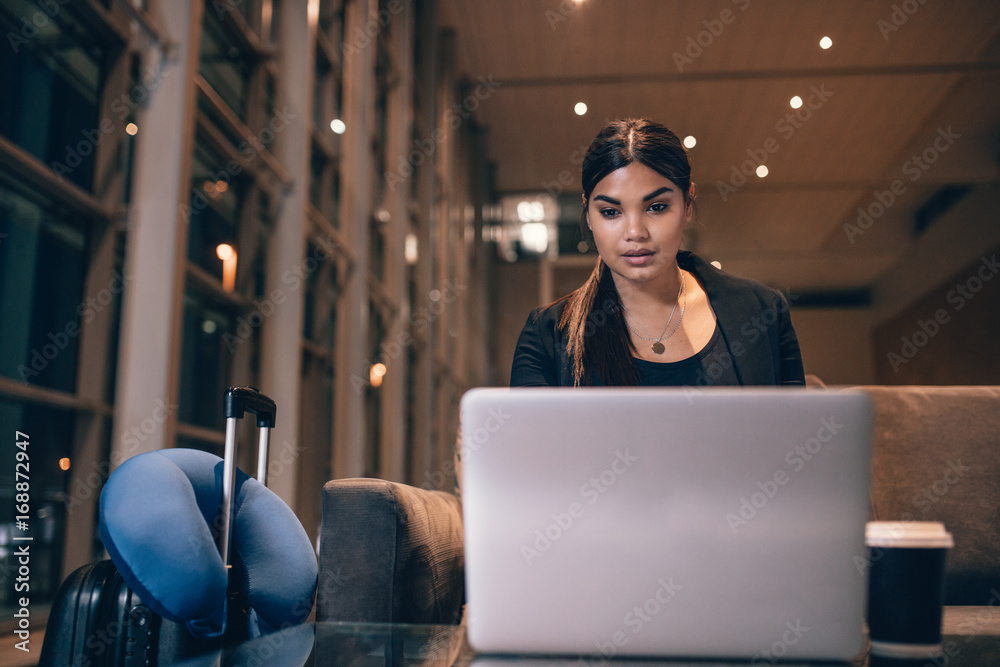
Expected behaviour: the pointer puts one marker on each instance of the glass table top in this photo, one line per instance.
(971, 639)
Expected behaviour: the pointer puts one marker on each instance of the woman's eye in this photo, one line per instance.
(609, 212)
(659, 207)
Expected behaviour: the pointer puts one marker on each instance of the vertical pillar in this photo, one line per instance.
(353, 353)
(157, 234)
(281, 349)
(426, 87)
(400, 117)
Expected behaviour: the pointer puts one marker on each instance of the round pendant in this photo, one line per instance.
(658, 347)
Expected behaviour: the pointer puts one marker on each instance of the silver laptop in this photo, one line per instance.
(722, 523)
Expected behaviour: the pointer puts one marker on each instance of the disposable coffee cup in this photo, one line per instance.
(906, 587)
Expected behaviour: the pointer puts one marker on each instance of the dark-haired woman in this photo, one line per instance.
(651, 314)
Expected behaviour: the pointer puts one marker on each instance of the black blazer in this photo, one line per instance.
(754, 320)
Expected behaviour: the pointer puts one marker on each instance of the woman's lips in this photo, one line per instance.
(638, 257)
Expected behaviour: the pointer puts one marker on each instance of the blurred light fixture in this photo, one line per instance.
(131, 129)
(530, 211)
(795, 102)
(580, 108)
(227, 254)
(690, 142)
(825, 43)
(410, 249)
(376, 373)
(64, 463)
(717, 264)
(338, 126)
(762, 171)
(209, 327)
(535, 236)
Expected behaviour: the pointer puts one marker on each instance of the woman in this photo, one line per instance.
(651, 314)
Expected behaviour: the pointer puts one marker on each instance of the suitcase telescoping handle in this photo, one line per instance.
(237, 401)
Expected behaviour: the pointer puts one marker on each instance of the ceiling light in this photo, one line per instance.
(580, 108)
(338, 126)
(131, 129)
(690, 142)
(795, 102)
(717, 264)
(825, 43)
(762, 171)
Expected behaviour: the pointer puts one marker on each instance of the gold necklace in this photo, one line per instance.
(658, 347)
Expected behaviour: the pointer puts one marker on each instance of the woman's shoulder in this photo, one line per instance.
(548, 316)
(718, 283)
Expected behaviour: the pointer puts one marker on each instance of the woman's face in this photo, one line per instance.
(637, 216)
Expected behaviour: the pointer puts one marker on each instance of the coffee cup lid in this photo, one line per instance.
(908, 534)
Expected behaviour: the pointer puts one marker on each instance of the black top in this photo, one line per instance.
(712, 366)
(753, 324)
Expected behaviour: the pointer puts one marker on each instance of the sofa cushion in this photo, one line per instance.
(936, 457)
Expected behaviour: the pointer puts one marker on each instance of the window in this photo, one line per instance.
(51, 74)
(42, 268)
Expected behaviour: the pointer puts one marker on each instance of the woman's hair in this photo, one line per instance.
(598, 341)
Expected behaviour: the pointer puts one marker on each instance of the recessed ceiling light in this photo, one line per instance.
(795, 102)
(825, 43)
(580, 108)
(690, 142)
(338, 126)
(761, 171)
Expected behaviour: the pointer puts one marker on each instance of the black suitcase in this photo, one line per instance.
(96, 620)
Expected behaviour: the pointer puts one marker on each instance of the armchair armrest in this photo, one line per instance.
(390, 553)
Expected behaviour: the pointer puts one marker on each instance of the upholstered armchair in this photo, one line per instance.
(390, 553)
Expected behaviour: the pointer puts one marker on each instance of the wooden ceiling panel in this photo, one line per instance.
(892, 92)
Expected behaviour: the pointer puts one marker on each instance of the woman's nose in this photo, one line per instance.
(635, 228)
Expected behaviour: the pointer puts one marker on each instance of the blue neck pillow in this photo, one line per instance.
(156, 518)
